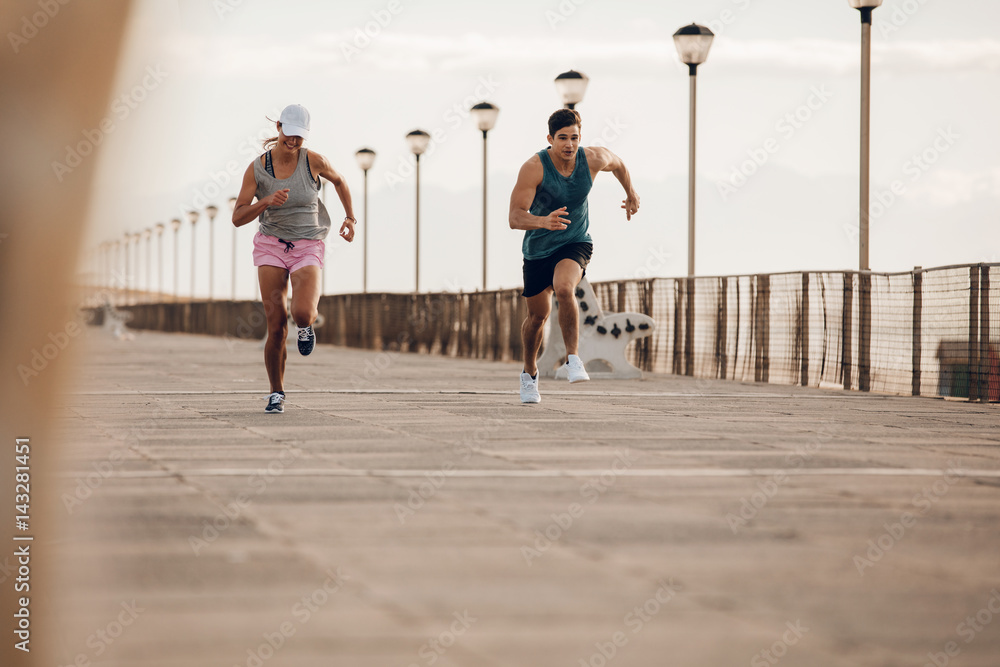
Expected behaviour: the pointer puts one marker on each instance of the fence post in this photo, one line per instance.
(846, 353)
(918, 305)
(864, 330)
(678, 304)
(804, 332)
(974, 272)
(762, 308)
(721, 333)
(689, 329)
(984, 333)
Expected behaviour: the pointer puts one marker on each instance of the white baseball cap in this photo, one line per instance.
(295, 121)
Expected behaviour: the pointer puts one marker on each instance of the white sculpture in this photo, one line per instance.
(603, 339)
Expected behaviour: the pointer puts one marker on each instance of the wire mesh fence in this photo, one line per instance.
(923, 332)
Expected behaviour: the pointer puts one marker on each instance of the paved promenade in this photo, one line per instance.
(407, 510)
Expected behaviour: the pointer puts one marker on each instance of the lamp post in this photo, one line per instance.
(193, 219)
(211, 210)
(865, 7)
(571, 86)
(692, 42)
(418, 140)
(175, 224)
(232, 207)
(485, 115)
(365, 158)
(159, 258)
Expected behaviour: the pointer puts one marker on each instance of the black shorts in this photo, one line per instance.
(538, 273)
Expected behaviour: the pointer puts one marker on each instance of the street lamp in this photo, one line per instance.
(211, 210)
(365, 158)
(418, 140)
(232, 207)
(692, 42)
(571, 86)
(485, 115)
(175, 225)
(159, 259)
(192, 217)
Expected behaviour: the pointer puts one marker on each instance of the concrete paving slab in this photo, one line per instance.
(399, 492)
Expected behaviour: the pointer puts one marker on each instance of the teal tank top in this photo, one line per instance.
(556, 191)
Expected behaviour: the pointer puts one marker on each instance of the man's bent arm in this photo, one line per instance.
(528, 180)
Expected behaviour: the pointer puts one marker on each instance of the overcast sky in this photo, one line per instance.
(778, 125)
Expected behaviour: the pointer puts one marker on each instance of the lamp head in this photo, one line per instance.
(418, 140)
(571, 86)
(693, 42)
(365, 158)
(485, 115)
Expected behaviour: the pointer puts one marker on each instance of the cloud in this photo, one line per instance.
(394, 51)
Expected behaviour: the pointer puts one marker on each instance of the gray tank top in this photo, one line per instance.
(303, 216)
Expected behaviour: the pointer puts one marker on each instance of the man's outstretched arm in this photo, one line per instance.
(611, 162)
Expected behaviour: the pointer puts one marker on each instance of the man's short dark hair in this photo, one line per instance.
(564, 118)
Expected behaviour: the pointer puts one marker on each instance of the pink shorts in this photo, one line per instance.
(269, 251)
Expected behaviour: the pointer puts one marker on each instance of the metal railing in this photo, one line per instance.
(922, 332)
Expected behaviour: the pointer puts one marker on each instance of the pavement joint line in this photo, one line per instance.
(553, 473)
(456, 392)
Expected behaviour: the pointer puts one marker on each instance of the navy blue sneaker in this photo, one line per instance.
(275, 402)
(307, 340)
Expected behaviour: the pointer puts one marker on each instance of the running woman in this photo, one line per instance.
(549, 203)
(289, 243)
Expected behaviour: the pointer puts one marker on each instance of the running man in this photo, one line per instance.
(549, 203)
(289, 244)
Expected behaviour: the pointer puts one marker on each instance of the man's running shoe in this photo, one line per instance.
(529, 389)
(575, 369)
(275, 402)
(307, 340)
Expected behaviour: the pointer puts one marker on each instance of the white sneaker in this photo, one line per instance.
(275, 402)
(529, 389)
(575, 369)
